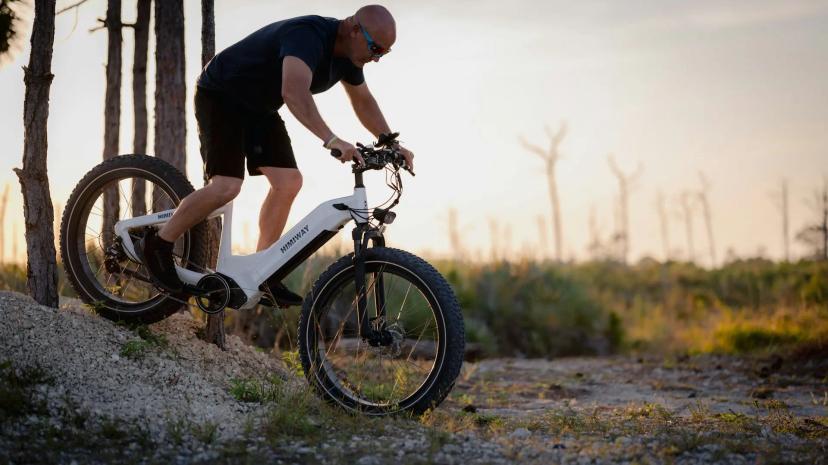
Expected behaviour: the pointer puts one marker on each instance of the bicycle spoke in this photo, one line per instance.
(378, 375)
(125, 197)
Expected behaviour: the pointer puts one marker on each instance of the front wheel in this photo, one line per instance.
(419, 359)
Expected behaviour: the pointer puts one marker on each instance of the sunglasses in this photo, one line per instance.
(377, 51)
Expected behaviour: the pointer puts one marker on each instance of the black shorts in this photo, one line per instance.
(229, 134)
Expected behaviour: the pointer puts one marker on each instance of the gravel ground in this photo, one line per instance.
(185, 379)
(168, 400)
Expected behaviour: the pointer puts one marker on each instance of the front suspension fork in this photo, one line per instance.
(362, 235)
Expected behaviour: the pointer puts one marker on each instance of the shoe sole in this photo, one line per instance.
(139, 251)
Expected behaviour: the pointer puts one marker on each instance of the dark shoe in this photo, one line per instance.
(283, 296)
(156, 253)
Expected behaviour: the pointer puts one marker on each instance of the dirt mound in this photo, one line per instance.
(150, 375)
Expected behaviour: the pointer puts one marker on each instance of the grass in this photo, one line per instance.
(650, 432)
(136, 349)
(254, 390)
(17, 388)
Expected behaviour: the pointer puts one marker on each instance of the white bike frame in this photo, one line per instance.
(250, 271)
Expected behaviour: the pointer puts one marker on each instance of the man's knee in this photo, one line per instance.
(225, 188)
(293, 182)
(284, 181)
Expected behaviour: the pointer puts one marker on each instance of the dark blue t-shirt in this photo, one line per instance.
(250, 71)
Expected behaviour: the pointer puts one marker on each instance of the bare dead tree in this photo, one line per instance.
(785, 222)
(41, 274)
(687, 215)
(112, 114)
(665, 225)
(626, 183)
(551, 156)
(139, 100)
(73, 6)
(3, 203)
(595, 247)
(170, 88)
(815, 235)
(708, 222)
(780, 199)
(15, 247)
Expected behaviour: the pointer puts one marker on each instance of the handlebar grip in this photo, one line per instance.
(336, 153)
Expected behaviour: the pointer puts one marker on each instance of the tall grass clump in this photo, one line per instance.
(531, 309)
(742, 307)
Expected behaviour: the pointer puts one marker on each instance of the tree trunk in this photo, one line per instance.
(665, 228)
(41, 274)
(824, 226)
(708, 222)
(112, 113)
(687, 210)
(785, 228)
(214, 332)
(3, 204)
(208, 32)
(170, 89)
(139, 99)
(556, 207)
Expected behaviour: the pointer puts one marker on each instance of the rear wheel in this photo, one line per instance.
(415, 366)
(96, 266)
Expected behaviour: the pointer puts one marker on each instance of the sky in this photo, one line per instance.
(736, 90)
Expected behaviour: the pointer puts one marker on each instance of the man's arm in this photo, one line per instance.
(296, 82)
(366, 108)
(369, 114)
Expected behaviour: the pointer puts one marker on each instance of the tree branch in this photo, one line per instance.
(533, 148)
(71, 7)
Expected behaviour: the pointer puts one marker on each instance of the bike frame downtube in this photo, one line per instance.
(250, 271)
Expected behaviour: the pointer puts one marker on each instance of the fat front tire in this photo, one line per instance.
(82, 252)
(416, 369)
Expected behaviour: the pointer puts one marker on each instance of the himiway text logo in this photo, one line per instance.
(295, 238)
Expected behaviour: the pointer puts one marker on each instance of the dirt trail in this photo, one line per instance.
(111, 394)
(515, 387)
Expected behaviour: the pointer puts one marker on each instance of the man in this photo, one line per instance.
(236, 100)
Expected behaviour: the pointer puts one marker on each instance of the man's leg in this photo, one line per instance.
(196, 206)
(157, 249)
(285, 183)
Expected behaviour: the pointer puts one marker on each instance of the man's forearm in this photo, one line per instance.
(304, 109)
(369, 114)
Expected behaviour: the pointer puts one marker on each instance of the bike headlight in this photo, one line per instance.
(385, 216)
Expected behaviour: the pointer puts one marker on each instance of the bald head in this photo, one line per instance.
(367, 35)
(379, 23)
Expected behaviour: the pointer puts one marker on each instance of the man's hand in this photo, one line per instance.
(347, 150)
(408, 155)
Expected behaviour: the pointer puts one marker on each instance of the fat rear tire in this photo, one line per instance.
(72, 242)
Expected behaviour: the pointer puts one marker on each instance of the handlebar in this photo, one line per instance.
(376, 156)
